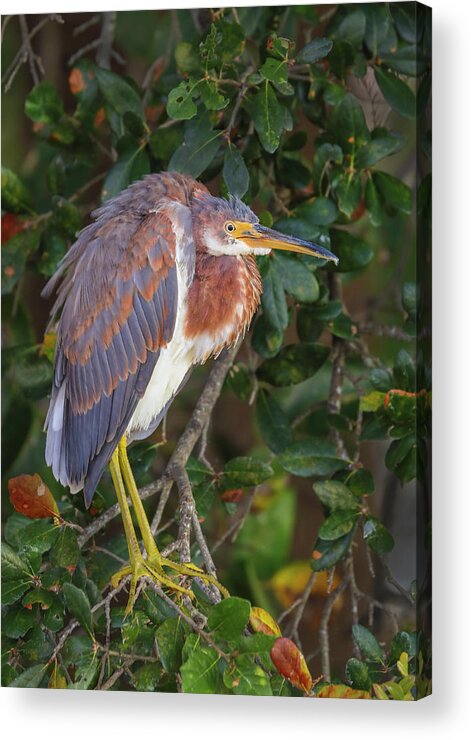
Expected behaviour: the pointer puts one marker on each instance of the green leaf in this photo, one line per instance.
(357, 674)
(181, 101)
(15, 197)
(235, 172)
(328, 553)
(65, 550)
(343, 327)
(381, 145)
(198, 149)
(274, 305)
(401, 458)
(321, 211)
(200, 670)
(373, 203)
(270, 117)
(348, 125)
(348, 192)
(396, 92)
(228, 618)
(396, 193)
(86, 673)
(43, 104)
(335, 495)
(247, 678)
(360, 482)
(266, 340)
(164, 141)
(405, 20)
(378, 22)
(187, 58)
(367, 643)
(377, 536)
(30, 678)
(311, 457)
(274, 70)
(12, 591)
(257, 644)
(147, 677)
(295, 363)
(407, 60)
(18, 621)
(324, 154)
(338, 524)
(79, 606)
(119, 93)
(170, 637)
(131, 166)
(353, 253)
(341, 61)
(15, 252)
(295, 278)
(272, 422)
(316, 49)
(38, 535)
(13, 566)
(247, 471)
(352, 28)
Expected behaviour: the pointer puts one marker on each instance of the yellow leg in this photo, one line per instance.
(154, 565)
(138, 567)
(130, 483)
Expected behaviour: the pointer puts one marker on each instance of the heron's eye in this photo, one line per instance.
(229, 227)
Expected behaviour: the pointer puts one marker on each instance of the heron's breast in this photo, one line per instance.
(221, 301)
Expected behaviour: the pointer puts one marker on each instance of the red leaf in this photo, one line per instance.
(11, 225)
(31, 497)
(290, 663)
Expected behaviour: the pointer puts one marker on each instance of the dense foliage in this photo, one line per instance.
(317, 119)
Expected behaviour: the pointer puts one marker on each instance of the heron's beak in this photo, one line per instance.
(261, 237)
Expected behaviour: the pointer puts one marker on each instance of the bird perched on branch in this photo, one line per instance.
(164, 278)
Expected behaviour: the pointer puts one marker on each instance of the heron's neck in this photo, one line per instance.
(222, 298)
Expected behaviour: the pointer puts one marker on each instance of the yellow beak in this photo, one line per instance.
(257, 236)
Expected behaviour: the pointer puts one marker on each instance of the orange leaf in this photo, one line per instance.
(233, 496)
(31, 497)
(340, 691)
(99, 118)
(262, 621)
(290, 663)
(76, 81)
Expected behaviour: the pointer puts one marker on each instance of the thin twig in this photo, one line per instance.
(324, 627)
(108, 27)
(301, 607)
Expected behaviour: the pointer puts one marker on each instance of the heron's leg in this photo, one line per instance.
(129, 531)
(143, 522)
(155, 559)
(138, 567)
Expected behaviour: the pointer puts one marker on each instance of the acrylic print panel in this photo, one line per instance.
(249, 313)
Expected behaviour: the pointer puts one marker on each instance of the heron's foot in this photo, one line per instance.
(142, 568)
(190, 570)
(153, 568)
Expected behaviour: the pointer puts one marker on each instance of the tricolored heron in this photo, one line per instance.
(164, 278)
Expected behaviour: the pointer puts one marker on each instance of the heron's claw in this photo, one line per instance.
(142, 568)
(154, 568)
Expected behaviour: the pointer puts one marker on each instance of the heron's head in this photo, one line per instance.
(230, 227)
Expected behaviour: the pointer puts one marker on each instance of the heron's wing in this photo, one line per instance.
(119, 301)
